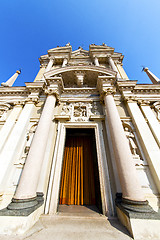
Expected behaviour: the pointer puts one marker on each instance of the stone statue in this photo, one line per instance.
(130, 137)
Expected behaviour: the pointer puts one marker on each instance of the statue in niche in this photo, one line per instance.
(131, 140)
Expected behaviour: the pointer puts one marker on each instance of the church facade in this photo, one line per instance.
(81, 133)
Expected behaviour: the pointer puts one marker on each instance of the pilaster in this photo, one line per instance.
(10, 122)
(149, 145)
(152, 120)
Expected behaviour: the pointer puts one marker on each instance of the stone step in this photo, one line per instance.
(80, 227)
(75, 228)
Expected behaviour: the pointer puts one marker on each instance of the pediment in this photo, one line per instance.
(80, 53)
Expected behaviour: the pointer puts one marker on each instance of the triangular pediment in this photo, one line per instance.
(80, 53)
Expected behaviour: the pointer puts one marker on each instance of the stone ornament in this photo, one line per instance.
(133, 146)
(156, 107)
(79, 111)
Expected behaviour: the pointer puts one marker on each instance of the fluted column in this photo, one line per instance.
(11, 80)
(27, 186)
(113, 66)
(130, 185)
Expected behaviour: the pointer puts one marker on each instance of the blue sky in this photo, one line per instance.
(30, 27)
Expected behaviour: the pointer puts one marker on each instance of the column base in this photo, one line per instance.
(139, 218)
(22, 207)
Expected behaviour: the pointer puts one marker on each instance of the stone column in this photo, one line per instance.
(25, 195)
(130, 185)
(10, 122)
(49, 66)
(113, 66)
(13, 144)
(65, 61)
(96, 62)
(147, 141)
(11, 80)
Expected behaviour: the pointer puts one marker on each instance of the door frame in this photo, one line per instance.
(57, 164)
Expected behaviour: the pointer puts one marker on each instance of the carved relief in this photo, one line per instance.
(80, 111)
(65, 109)
(95, 109)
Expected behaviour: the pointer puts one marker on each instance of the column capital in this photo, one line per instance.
(53, 91)
(32, 99)
(4, 107)
(142, 102)
(129, 99)
(156, 104)
(55, 86)
(106, 92)
(18, 103)
(105, 85)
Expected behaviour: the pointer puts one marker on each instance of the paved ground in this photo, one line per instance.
(62, 227)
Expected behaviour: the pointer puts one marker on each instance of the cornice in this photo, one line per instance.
(147, 89)
(13, 91)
